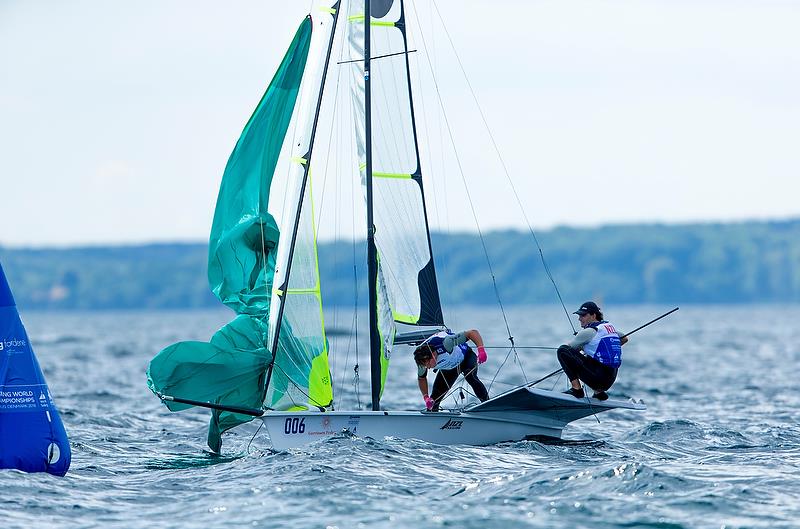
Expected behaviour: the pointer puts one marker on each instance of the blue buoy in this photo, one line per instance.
(32, 436)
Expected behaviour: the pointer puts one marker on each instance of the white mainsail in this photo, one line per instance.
(400, 219)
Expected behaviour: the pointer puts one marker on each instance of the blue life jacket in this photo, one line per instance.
(605, 347)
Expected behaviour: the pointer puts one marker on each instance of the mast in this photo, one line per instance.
(372, 251)
(283, 288)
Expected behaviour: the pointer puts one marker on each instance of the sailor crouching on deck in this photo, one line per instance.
(602, 353)
(450, 355)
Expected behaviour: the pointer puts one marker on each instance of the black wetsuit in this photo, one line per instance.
(445, 379)
(594, 374)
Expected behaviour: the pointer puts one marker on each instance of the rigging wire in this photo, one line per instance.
(321, 209)
(505, 169)
(459, 386)
(349, 164)
(521, 347)
(469, 197)
(499, 369)
(254, 436)
(346, 118)
(558, 379)
(349, 171)
(297, 386)
(355, 325)
(336, 121)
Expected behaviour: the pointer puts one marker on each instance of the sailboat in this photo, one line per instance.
(271, 361)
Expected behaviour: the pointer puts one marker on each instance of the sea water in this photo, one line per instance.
(718, 446)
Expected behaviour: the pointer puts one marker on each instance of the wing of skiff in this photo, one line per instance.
(557, 405)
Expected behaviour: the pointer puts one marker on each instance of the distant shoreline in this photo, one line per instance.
(710, 263)
(560, 227)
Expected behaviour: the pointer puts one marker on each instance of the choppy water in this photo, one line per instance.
(719, 445)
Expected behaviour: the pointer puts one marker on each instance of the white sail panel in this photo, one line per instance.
(300, 375)
(384, 302)
(403, 246)
(386, 327)
(401, 234)
(393, 146)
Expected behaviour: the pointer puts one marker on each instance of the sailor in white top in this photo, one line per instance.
(449, 355)
(601, 344)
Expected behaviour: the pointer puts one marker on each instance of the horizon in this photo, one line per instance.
(685, 113)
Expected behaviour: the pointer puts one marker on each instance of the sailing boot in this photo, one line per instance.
(577, 393)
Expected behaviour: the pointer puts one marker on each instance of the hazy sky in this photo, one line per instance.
(117, 118)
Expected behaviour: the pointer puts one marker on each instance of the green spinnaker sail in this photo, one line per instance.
(231, 369)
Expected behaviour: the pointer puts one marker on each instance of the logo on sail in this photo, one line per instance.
(452, 425)
(12, 344)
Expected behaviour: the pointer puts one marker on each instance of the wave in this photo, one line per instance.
(184, 461)
(60, 340)
(681, 432)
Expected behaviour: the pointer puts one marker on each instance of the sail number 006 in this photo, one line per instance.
(294, 425)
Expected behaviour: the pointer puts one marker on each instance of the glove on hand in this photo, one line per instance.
(481, 355)
(428, 402)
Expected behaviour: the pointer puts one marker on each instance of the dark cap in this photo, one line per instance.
(589, 307)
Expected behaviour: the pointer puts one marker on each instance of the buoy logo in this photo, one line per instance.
(53, 453)
(12, 344)
(42, 400)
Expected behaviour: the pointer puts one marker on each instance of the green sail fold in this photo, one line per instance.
(231, 369)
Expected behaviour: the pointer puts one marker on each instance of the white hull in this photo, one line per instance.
(514, 416)
(292, 429)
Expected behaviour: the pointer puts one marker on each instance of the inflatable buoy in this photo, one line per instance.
(32, 436)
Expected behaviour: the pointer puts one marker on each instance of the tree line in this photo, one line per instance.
(742, 262)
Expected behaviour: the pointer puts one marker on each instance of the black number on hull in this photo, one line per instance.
(294, 425)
